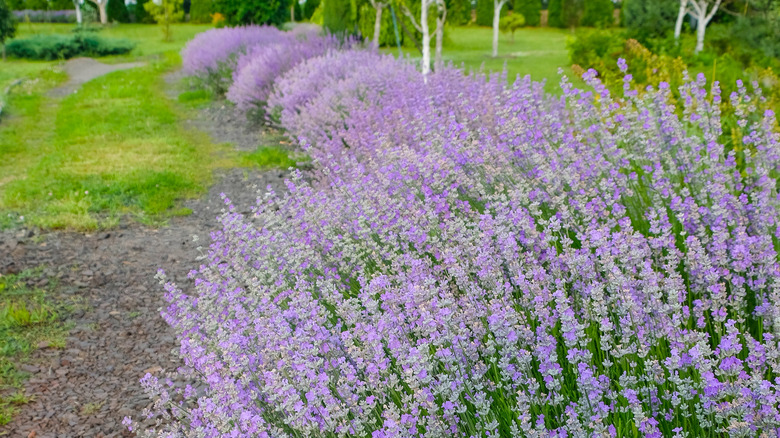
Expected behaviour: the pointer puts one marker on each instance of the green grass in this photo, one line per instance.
(118, 146)
(538, 52)
(28, 317)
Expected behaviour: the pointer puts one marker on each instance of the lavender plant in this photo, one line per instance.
(474, 259)
(211, 56)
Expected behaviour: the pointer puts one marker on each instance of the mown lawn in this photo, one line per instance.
(118, 146)
(538, 52)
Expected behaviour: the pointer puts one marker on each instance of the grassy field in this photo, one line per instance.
(538, 52)
(116, 147)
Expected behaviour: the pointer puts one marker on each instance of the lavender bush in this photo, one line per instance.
(211, 56)
(44, 16)
(474, 259)
(258, 68)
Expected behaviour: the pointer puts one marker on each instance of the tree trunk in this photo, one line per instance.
(292, 11)
(378, 25)
(496, 18)
(102, 8)
(701, 29)
(426, 38)
(79, 19)
(438, 62)
(680, 17)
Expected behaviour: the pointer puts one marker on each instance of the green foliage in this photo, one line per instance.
(752, 40)
(555, 13)
(7, 23)
(201, 10)
(309, 7)
(512, 23)
(55, 46)
(571, 12)
(366, 25)
(166, 13)
(531, 10)
(485, 12)
(648, 19)
(238, 12)
(458, 12)
(117, 11)
(338, 16)
(597, 49)
(598, 13)
(139, 14)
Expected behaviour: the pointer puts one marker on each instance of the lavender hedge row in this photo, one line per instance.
(475, 259)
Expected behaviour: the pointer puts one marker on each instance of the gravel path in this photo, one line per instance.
(81, 70)
(85, 389)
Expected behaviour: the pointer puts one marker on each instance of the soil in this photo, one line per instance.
(81, 70)
(86, 388)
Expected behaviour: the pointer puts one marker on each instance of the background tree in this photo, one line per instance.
(165, 13)
(702, 11)
(497, 6)
(511, 23)
(458, 12)
(644, 20)
(101, 6)
(571, 12)
(682, 11)
(378, 6)
(484, 12)
(423, 26)
(139, 13)
(117, 11)
(531, 10)
(555, 13)
(237, 12)
(309, 7)
(598, 13)
(201, 10)
(79, 17)
(337, 16)
(7, 25)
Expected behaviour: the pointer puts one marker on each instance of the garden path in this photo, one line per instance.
(81, 70)
(85, 389)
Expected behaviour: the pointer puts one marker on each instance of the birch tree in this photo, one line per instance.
(497, 5)
(379, 5)
(703, 11)
(682, 12)
(79, 18)
(101, 5)
(424, 28)
(441, 18)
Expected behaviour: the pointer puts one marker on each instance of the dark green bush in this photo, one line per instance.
(237, 12)
(598, 13)
(117, 11)
(51, 47)
(201, 10)
(531, 10)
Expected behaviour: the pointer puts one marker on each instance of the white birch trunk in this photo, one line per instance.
(703, 18)
(497, 5)
(680, 17)
(438, 62)
(79, 19)
(102, 9)
(378, 24)
(426, 38)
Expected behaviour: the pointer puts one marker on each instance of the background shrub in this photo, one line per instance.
(201, 10)
(117, 11)
(236, 12)
(36, 16)
(531, 10)
(51, 47)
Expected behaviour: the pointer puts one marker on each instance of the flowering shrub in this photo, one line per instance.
(489, 260)
(211, 56)
(258, 68)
